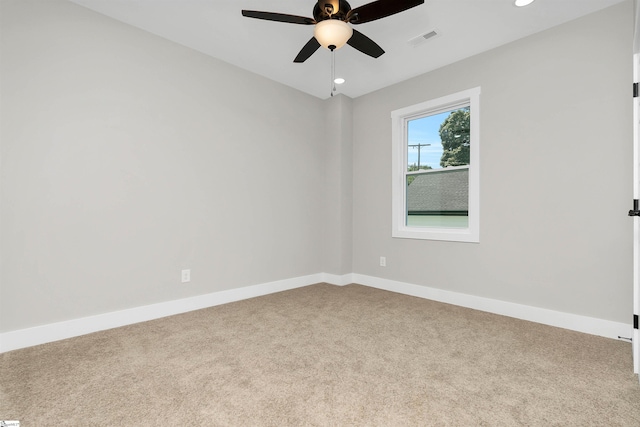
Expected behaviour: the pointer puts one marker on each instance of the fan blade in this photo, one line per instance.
(364, 44)
(380, 9)
(308, 50)
(279, 17)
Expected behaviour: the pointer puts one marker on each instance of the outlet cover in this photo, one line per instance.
(186, 276)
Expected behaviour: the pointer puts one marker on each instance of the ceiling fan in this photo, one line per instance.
(332, 18)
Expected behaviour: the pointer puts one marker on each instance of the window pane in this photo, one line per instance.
(437, 177)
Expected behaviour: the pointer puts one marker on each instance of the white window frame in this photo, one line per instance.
(399, 121)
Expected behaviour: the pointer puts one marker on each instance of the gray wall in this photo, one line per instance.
(126, 158)
(338, 148)
(556, 173)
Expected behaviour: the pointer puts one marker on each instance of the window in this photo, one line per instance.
(436, 189)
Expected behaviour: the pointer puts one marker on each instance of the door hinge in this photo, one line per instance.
(635, 90)
(635, 321)
(636, 209)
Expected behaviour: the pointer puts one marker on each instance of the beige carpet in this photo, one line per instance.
(327, 356)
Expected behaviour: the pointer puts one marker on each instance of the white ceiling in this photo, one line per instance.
(465, 28)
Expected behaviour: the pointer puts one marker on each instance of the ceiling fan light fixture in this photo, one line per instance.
(522, 3)
(332, 33)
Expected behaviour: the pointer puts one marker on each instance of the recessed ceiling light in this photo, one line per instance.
(339, 81)
(521, 3)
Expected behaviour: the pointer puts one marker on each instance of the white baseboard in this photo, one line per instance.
(72, 328)
(574, 322)
(335, 279)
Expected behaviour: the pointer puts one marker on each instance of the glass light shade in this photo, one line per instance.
(332, 32)
(521, 3)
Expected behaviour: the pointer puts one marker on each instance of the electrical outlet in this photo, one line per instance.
(383, 261)
(186, 276)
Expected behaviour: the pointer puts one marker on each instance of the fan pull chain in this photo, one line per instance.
(333, 71)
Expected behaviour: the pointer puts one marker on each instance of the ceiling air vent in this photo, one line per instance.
(423, 38)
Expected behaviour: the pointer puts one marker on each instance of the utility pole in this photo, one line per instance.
(419, 148)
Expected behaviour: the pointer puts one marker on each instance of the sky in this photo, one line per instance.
(425, 131)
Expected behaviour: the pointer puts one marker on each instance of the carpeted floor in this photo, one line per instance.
(325, 356)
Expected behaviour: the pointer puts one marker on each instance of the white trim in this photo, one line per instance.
(334, 279)
(636, 221)
(636, 28)
(72, 328)
(574, 322)
(399, 119)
